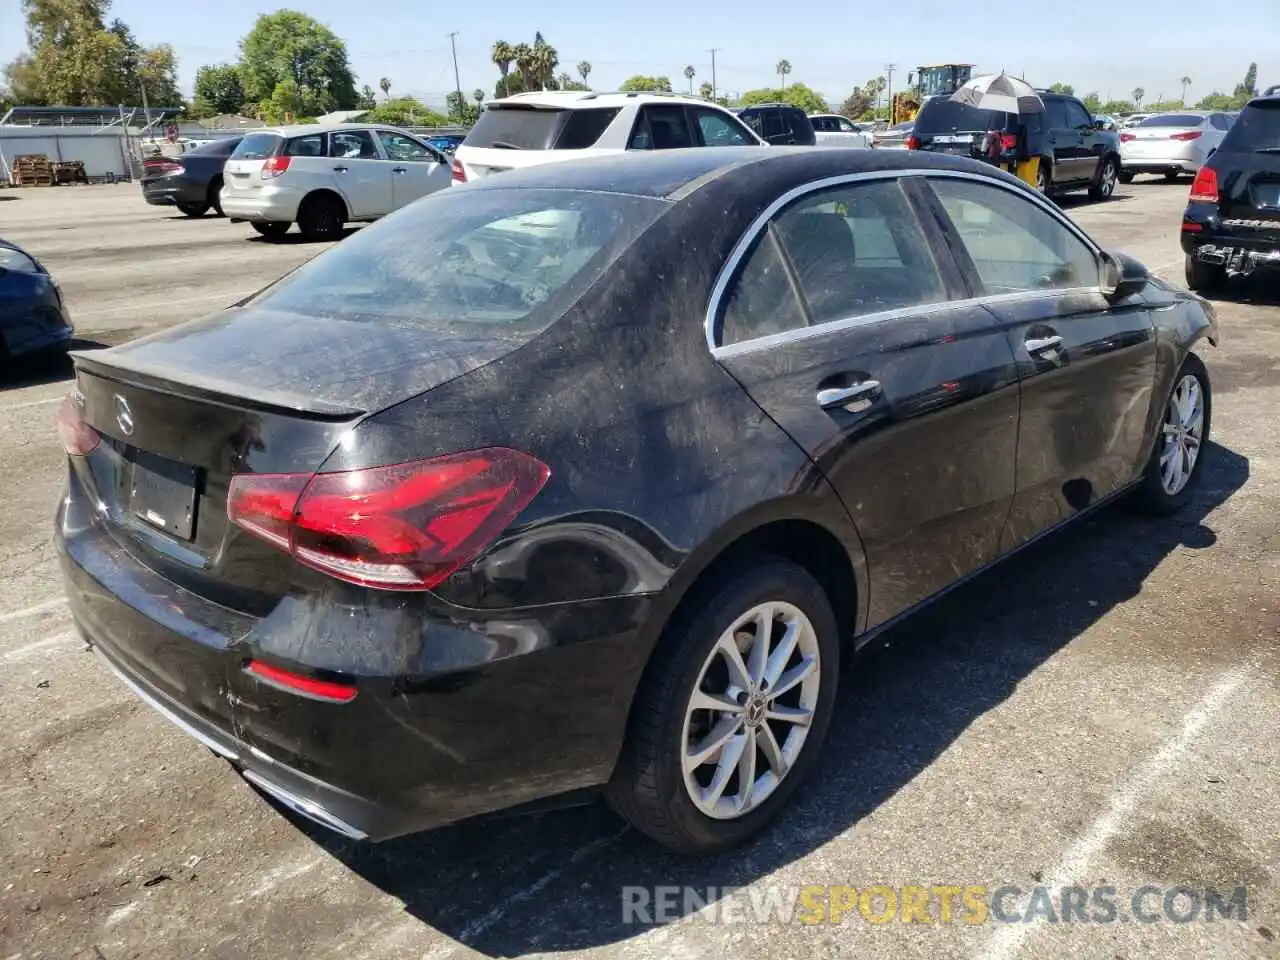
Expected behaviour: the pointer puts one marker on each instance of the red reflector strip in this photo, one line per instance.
(1192, 227)
(303, 686)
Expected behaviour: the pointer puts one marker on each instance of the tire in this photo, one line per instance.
(272, 230)
(1155, 496)
(1205, 277)
(215, 196)
(1126, 176)
(1104, 185)
(1043, 183)
(322, 217)
(649, 785)
(1171, 176)
(193, 209)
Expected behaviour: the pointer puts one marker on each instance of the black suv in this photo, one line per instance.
(779, 123)
(1075, 152)
(1231, 226)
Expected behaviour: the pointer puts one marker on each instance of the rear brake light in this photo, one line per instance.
(274, 166)
(403, 527)
(912, 142)
(1008, 141)
(297, 683)
(78, 438)
(1127, 137)
(458, 172)
(1205, 188)
(1185, 135)
(162, 166)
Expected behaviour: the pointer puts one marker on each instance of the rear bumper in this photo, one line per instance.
(487, 714)
(166, 192)
(264, 206)
(1183, 163)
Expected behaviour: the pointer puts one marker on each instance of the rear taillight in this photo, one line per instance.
(1205, 188)
(78, 438)
(403, 527)
(912, 142)
(162, 166)
(1008, 141)
(457, 171)
(1185, 135)
(1128, 137)
(274, 166)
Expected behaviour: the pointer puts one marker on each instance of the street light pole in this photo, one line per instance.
(457, 79)
(888, 69)
(714, 51)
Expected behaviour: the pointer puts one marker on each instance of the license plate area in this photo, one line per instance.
(162, 494)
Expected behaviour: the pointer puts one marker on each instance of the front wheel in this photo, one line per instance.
(1171, 175)
(1126, 176)
(193, 209)
(322, 217)
(1042, 178)
(1105, 184)
(1204, 277)
(1173, 472)
(273, 230)
(731, 713)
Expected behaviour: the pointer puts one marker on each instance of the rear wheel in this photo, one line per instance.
(1205, 277)
(215, 196)
(732, 711)
(1042, 178)
(1174, 469)
(193, 209)
(1105, 184)
(273, 230)
(322, 217)
(1172, 175)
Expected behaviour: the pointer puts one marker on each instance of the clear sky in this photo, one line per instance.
(1101, 45)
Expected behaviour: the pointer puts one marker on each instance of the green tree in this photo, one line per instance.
(705, 90)
(218, 90)
(642, 84)
(584, 70)
(72, 58)
(158, 74)
(1113, 107)
(782, 69)
(23, 83)
(1246, 90)
(368, 99)
(689, 74)
(797, 94)
(461, 110)
(406, 111)
(1092, 102)
(478, 96)
(291, 46)
(1217, 101)
(385, 85)
(543, 63)
(1138, 93)
(1186, 82)
(1066, 88)
(861, 103)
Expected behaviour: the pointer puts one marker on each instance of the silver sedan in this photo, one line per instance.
(1172, 144)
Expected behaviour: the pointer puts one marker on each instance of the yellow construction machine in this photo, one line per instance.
(939, 80)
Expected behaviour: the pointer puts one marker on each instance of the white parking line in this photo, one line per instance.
(39, 646)
(133, 308)
(1006, 943)
(36, 610)
(30, 403)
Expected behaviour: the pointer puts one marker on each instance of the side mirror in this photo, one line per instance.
(1122, 276)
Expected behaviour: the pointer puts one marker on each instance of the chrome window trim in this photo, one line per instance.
(753, 231)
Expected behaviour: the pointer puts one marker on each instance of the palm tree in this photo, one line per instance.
(1138, 93)
(783, 68)
(545, 61)
(1186, 82)
(522, 54)
(689, 74)
(502, 54)
(584, 70)
(477, 95)
(385, 84)
(704, 90)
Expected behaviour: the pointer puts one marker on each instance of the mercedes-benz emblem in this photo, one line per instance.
(124, 416)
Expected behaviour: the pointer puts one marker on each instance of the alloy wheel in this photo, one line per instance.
(1107, 182)
(1182, 431)
(750, 711)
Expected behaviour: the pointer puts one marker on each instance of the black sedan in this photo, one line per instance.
(33, 316)
(191, 182)
(580, 478)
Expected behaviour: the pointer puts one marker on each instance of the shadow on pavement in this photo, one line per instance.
(553, 882)
(1257, 290)
(42, 368)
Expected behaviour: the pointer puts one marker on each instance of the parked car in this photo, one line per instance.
(457, 517)
(447, 143)
(528, 129)
(191, 182)
(833, 130)
(893, 138)
(780, 123)
(33, 315)
(1171, 144)
(1075, 153)
(1231, 226)
(325, 176)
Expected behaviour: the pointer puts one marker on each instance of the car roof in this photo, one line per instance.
(308, 129)
(572, 99)
(665, 174)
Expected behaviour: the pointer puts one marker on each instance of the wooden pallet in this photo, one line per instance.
(33, 170)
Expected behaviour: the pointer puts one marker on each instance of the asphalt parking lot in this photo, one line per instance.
(1102, 711)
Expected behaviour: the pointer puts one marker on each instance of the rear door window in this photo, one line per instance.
(352, 145)
(1077, 116)
(661, 127)
(719, 130)
(308, 146)
(258, 146)
(218, 148)
(1055, 111)
(516, 128)
(1220, 121)
(823, 124)
(773, 123)
(582, 128)
(1257, 128)
(402, 148)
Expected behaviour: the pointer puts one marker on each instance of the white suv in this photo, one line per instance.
(323, 176)
(533, 128)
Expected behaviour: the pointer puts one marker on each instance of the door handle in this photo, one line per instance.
(397, 169)
(840, 396)
(339, 169)
(1042, 344)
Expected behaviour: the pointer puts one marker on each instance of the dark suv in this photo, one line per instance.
(1231, 226)
(779, 123)
(1075, 152)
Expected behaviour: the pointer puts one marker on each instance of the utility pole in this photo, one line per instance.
(713, 51)
(457, 79)
(888, 69)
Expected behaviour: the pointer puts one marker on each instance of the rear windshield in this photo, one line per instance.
(1173, 120)
(947, 116)
(1256, 128)
(258, 146)
(516, 128)
(508, 261)
(217, 148)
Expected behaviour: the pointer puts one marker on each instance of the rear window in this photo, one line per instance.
(506, 261)
(257, 146)
(516, 128)
(1173, 120)
(218, 148)
(583, 128)
(947, 116)
(1256, 128)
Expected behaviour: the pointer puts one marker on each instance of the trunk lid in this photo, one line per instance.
(1248, 168)
(243, 170)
